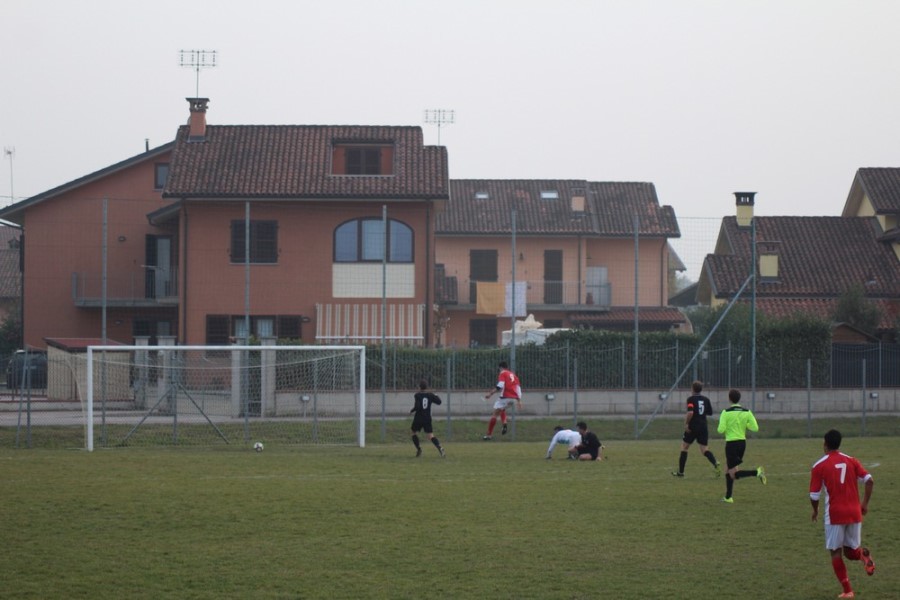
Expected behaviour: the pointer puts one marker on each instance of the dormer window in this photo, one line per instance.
(549, 195)
(362, 159)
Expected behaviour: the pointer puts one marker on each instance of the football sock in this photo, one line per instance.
(682, 460)
(491, 425)
(415, 439)
(742, 474)
(729, 485)
(709, 456)
(436, 442)
(854, 554)
(840, 570)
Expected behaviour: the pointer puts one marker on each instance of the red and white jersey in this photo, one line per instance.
(838, 475)
(509, 385)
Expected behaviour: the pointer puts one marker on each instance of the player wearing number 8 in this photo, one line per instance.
(422, 418)
(839, 475)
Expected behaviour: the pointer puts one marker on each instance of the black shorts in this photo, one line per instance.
(734, 452)
(700, 434)
(419, 424)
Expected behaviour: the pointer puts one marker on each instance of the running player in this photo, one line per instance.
(510, 391)
(698, 409)
(838, 475)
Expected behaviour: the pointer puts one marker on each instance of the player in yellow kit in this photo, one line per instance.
(735, 421)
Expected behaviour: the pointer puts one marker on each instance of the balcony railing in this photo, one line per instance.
(539, 294)
(150, 286)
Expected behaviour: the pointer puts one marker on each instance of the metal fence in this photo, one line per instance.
(561, 382)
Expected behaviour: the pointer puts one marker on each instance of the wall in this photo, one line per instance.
(303, 275)
(64, 235)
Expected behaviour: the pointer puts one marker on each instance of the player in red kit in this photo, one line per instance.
(510, 391)
(837, 476)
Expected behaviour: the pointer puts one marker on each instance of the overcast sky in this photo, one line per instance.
(702, 98)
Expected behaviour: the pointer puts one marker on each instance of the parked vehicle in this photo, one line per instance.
(29, 368)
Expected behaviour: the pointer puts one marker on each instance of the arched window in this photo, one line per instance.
(362, 240)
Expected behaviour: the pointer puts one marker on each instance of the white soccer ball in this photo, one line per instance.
(258, 446)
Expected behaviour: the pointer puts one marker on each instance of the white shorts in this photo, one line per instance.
(838, 536)
(502, 403)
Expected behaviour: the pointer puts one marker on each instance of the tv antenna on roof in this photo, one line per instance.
(10, 151)
(197, 59)
(439, 117)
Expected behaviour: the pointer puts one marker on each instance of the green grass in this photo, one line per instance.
(492, 520)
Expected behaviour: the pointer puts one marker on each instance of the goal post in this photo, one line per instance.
(203, 395)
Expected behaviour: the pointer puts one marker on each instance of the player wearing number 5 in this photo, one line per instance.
(510, 391)
(839, 475)
(699, 408)
(422, 417)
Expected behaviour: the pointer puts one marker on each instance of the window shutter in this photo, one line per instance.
(218, 330)
(289, 327)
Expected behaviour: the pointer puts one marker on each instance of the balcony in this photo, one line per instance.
(540, 294)
(146, 287)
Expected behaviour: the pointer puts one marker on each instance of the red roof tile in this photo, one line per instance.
(294, 161)
(545, 207)
(817, 257)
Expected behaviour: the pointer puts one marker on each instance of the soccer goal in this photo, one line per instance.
(204, 395)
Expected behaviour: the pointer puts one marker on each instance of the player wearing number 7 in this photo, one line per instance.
(839, 476)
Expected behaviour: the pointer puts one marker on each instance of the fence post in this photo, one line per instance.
(575, 390)
(808, 397)
(449, 388)
(864, 397)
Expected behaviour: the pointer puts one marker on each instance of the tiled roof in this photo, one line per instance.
(544, 207)
(16, 212)
(788, 307)
(882, 186)
(817, 257)
(294, 161)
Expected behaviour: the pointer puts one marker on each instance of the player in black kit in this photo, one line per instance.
(698, 408)
(422, 418)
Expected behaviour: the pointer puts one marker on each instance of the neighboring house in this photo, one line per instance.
(10, 273)
(64, 252)
(282, 223)
(806, 263)
(574, 257)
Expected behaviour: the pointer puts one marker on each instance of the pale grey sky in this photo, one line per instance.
(701, 97)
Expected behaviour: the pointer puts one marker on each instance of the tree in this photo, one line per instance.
(858, 311)
(10, 332)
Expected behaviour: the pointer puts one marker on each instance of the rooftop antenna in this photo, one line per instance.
(197, 59)
(439, 117)
(10, 151)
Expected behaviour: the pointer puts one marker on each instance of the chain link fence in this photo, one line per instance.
(560, 383)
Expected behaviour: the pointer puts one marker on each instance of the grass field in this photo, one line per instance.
(492, 520)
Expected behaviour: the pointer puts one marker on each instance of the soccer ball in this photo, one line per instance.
(258, 446)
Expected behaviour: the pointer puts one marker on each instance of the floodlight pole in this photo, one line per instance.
(440, 117)
(197, 59)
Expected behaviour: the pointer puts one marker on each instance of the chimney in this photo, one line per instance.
(198, 119)
(744, 201)
(768, 260)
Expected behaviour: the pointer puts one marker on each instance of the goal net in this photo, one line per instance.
(204, 395)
